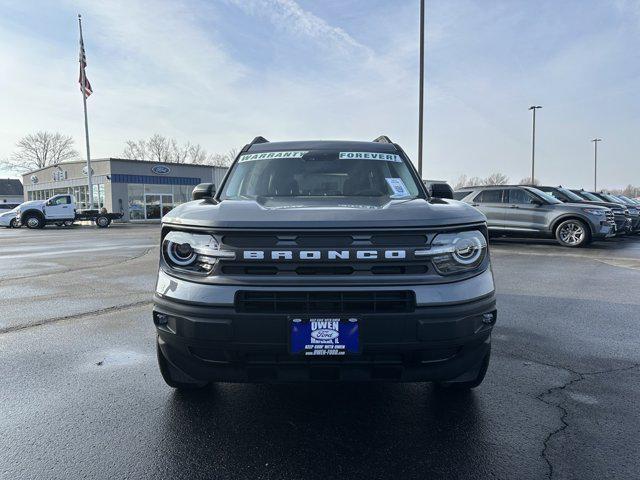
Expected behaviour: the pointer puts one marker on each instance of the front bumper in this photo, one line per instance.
(441, 339)
(602, 231)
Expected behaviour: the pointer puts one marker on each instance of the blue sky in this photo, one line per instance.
(220, 72)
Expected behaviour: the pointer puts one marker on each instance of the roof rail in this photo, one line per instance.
(256, 140)
(259, 139)
(383, 139)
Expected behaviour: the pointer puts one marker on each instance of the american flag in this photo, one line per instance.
(83, 73)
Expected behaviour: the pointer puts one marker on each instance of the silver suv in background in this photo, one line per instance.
(515, 210)
(620, 213)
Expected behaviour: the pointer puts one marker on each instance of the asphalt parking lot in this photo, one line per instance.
(81, 395)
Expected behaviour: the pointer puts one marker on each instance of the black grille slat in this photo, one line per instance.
(394, 301)
(311, 268)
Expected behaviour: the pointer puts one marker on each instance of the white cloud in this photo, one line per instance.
(289, 16)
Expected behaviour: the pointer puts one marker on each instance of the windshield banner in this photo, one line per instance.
(386, 157)
(269, 155)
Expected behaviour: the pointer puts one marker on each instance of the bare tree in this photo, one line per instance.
(197, 154)
(631, 191)
(223, 159)
(232, 154)
(527, 181)
(136, 150)
(159, 148)
(496, 179)
(41, 149)
(461, 182)
(475, 181)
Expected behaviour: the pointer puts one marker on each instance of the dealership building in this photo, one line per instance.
(141, 190)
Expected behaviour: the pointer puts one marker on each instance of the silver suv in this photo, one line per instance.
(520, 211)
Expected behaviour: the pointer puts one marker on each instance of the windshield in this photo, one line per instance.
(611, 198)
(571, 195)
(628, 200)
(590, 196)
(545, 196)
(320, 173)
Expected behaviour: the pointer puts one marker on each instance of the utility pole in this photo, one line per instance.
(595, 163)
(533, 144)
(421, 92)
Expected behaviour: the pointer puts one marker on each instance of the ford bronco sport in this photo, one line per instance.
(323, 261)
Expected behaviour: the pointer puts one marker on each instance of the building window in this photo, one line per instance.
(153, 201)
(135, 194)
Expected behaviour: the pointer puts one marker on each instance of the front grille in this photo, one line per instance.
(394, 301)
(326, 240)
(323, 242)
(611, 219)
(310, 269)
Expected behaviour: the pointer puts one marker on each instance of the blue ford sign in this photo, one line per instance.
(160, 169)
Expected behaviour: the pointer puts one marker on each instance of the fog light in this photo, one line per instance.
(160, 318)
(489, 318)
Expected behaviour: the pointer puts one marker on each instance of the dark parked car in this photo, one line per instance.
(632, 206)
(623, 226)
(634, 213)
(567, 196)
(519, 211)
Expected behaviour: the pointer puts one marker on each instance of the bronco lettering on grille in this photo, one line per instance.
(324, 255)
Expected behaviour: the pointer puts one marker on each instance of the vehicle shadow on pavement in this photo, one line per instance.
(362, 430)
(609, 244)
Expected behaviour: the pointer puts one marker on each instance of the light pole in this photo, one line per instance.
(421, 88)
(595, 163)
(533, 144)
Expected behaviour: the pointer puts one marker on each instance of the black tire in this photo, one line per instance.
(68, 223)
(573, 233)
(13, 223)
(102, 221)
(33, 221)
(465, 386)
(168, 374)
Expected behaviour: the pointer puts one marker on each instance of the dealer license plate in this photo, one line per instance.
(324, 336)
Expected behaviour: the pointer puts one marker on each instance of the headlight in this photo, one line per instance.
(595, 211)
(453, 253)
(194, 252)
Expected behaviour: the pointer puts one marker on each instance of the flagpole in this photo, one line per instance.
(86, 121)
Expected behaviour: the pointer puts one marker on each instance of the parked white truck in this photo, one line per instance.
(60, 210)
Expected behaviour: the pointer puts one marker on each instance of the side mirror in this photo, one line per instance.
(203, 190)
(441, 190)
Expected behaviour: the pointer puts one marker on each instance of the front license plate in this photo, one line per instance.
(324, 336)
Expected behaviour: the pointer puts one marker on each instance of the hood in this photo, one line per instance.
(582, 205)
(31, 203)
(8, 213)
(606, 204)
(324, 213)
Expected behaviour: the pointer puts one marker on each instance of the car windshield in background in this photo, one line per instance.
(320, 173)
(590, 196)
(570, 195)
(611, 198)
(544, 195)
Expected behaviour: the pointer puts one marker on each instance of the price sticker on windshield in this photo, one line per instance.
(398, 187)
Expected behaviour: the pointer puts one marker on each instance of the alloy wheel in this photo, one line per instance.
(572, 233)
